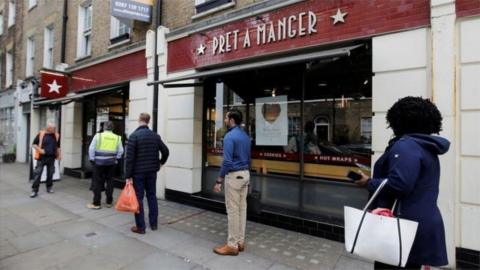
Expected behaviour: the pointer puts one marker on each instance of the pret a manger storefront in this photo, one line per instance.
(305, 77)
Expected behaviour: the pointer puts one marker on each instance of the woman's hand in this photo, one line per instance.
(363, 181)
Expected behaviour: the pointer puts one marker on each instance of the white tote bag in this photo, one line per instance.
(378, 238)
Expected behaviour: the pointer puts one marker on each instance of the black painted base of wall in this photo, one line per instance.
(467, 258)
(324, 230)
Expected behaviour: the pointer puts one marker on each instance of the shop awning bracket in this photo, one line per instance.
(344, 51)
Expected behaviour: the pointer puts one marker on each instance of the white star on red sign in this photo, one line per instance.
(339, 17)
(54, 87)
(201, 49)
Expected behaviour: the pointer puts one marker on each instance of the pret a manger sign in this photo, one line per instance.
(301, 24)
(307, 24)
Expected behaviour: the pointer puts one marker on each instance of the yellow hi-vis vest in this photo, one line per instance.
(106, 148)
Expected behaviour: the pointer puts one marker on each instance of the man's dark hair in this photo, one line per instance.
(108, 125)
(236, 115)
(414, 115)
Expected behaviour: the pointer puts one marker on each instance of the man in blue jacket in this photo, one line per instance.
(142, 164)
(236, 173)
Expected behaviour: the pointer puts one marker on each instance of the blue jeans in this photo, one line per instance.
(146, 183)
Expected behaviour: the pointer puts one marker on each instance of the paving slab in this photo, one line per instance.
(161, 261)
(34, 240)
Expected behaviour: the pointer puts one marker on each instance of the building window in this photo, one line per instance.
(9, 69)
(30, 65)
(1, 23)
(119, 31)
(11, 13)
(206, 5)
(84, 46)
(49, 42)
(32, 4)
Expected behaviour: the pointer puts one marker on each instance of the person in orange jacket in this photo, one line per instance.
(47, 147)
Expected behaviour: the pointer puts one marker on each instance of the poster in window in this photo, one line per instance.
(271, 121)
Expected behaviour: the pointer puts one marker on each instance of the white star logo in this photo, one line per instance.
(339, 17)
(54, 87)
(201, 49)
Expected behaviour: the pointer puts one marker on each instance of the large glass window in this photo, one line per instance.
(309, 123)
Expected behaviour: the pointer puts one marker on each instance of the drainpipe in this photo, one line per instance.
(64, 31)
(158, 19)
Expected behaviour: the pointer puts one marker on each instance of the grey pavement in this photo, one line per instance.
(57, 231)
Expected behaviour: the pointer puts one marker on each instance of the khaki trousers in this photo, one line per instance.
(236, 189)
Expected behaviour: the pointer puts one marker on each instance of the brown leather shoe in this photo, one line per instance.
(135, 229)
(226, 250)
(241, 246)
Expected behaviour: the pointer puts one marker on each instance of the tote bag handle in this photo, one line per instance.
(372, 199)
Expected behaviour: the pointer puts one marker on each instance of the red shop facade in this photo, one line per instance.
(302, 77)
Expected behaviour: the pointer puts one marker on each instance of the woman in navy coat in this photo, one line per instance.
(411, 164)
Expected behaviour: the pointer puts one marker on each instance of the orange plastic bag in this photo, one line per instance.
(127, 202)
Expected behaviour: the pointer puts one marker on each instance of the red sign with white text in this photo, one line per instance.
(307, 24)
(54, 85)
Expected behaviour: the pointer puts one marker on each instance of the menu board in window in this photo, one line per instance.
(271, 121)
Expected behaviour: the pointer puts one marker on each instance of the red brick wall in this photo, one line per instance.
(121, 69)
(365, 18)
(467, 7)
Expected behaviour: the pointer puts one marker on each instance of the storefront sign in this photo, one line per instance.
(140, 10)
(53, 84)
(271, 121)
(306, 24)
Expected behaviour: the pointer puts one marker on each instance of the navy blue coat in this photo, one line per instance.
(413, 170)
(143, 148)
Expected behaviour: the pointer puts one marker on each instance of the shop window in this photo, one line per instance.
(119, 30)
(309, 126)
(30, 58)
(84, 41)
(202, 6)
(11, 13)
(48, 41)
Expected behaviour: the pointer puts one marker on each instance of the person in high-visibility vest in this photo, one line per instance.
(104, 152)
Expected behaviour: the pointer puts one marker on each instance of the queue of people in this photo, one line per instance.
(410, 163)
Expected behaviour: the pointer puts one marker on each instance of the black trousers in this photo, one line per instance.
(37, 173)
(379, 265)
(103, 176)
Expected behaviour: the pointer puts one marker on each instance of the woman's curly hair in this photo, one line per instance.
(414, 115)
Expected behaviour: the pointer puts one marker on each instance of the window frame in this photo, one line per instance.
(116, 34)
(11, 13)
(84, 30)
(9, 68)
(203, 7)
(1, 22)
(30, 57)
(32, 4)
(48, 46)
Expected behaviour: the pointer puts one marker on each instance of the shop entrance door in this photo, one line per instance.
(111, 106)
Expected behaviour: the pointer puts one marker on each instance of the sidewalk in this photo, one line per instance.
(57, 231)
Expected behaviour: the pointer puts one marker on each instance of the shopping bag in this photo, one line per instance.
(378, 238)
(127, 202)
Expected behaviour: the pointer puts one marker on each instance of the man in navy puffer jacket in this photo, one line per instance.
(142, 164)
